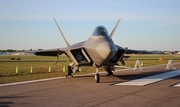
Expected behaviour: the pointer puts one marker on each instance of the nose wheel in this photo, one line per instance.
(97, 76)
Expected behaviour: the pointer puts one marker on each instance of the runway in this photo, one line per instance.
(82, 91)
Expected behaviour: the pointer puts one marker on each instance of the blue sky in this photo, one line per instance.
(145, 24)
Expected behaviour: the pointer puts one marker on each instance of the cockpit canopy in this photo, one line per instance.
(100, 31)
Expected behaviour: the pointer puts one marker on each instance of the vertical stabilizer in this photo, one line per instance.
(112, 33)
(61, 33)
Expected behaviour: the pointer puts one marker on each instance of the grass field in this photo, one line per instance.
(40, 69)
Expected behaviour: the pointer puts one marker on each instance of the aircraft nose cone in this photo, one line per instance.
(106, 50)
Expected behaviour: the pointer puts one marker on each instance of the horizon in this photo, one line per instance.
(145, 25)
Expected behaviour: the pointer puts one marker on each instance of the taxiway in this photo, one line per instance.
(82, 91)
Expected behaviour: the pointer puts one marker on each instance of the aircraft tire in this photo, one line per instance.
(109, 71)
(69, 73)
(97, 78)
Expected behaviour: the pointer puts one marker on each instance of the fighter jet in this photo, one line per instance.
(98, 51)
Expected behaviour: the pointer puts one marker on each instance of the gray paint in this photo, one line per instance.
(99, 49)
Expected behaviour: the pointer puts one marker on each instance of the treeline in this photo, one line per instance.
(11, 50)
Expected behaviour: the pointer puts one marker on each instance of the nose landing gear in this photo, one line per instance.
(97, 76)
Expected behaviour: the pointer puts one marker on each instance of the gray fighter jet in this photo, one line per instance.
(98, 51)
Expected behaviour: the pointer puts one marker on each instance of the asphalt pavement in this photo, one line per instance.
(83, 91)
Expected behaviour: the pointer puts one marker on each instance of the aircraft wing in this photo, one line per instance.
(50, 52)
(131, 51)
(59, 51)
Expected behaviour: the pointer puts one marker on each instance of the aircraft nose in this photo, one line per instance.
(106, 50)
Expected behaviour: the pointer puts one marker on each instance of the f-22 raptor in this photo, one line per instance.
(98, 51)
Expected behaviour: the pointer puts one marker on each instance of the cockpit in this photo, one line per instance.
(100, 31)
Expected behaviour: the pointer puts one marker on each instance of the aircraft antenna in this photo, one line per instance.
(112, 33)
(61, 33)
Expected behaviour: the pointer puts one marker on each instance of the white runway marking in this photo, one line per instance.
(151, 79)
(41, 80)
(177, 85)
(24, 82)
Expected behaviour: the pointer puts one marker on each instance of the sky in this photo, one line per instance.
(145, 24)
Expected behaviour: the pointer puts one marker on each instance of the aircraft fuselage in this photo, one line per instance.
(99, 49)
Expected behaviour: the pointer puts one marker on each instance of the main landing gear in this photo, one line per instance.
(109, 70)
(97, 75)
(69, 72)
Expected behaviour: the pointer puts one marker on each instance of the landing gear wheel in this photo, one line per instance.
(69, 72)
(69, 76)
(110, 73)
(97, 78)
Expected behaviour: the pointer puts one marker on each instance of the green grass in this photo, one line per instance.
(29, 57)
(40, 69)
(149, 60)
